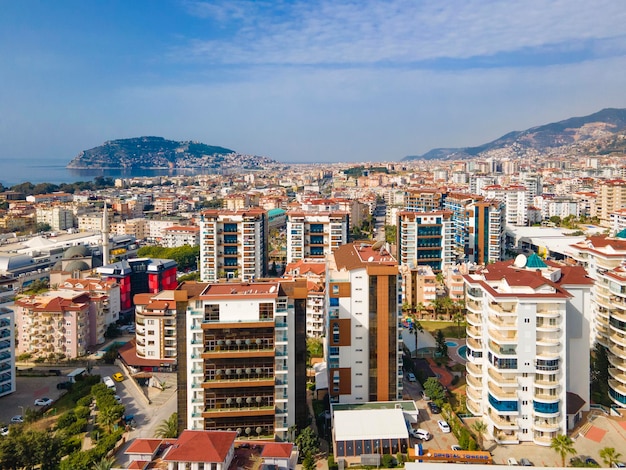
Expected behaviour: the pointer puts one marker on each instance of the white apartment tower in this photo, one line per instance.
(364, 342)
(605, 260)
(527, 348)
(426, 238)
(7, 351)
(314, 235)
(233, 244)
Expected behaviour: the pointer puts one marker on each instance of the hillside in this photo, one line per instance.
(604, 126)
(157, 152)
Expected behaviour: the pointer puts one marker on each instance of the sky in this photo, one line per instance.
(301, 81)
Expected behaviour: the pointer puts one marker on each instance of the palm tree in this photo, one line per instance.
(609, 456)
(107, 417)
(416, 327)
(480, 428)
(168, 428)
(458, 317)
(419, 308)
(447, 304)
(563, 445)
(104, 464)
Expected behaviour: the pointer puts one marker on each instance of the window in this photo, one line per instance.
(150, 332)
(150, 343)
(526, 320)
(335, 289)
(335, 332)
(266, 311)
(150, 322)
(151, 353)
(211, 313)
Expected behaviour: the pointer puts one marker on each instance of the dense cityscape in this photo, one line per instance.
(467, 311)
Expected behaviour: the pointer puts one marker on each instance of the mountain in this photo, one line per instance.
(598, 127)
(157, 152)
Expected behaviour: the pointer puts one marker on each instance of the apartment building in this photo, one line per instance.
(314, 272)
(426, 238)
(605, 260)
(458, 203)
(57, 217)
(419, 284)
(314, 235)
(515, 198)
(423, 200)
(611, 197)
(59, 322)
(233, 244)
(7, 351)
(618, 221)
(179, 235)
(155, 320)
(364, 342)
(245, 358)
(486, 235)
(528, 341)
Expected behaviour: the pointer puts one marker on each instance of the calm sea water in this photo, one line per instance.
(47, 170)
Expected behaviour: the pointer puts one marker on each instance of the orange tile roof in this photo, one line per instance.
(143, 446)
(201, 446)
(277, 450)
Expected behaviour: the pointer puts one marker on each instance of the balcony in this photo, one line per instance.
(506, 337)
(502, 380)
(505, 422)
(474, 332)
(474, 382)
(547, 424)
(502, 394)
(550, 312)
(503, 309)
(547, 326)
(473, 369)
(473, 407)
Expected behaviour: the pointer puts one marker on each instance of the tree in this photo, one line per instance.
(609, 456)
(107, 417)
(308, 443)
(459, 318)
(481, 428)
(390, 234)
(563, 445)
(168, 428)
(434, 390)
(599, 375)
(308, 463)
(314, 348)
(104, 464)
(442, 347)
(416, 327)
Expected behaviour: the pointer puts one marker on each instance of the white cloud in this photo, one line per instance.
(399, 31)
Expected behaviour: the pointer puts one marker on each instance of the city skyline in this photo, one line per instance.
(302, 82)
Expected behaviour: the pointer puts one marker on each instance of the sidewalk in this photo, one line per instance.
(322, 462)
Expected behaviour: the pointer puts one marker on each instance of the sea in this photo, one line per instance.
(51, 170)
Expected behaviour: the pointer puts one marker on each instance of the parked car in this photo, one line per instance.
(443, 425)
(422, 434)
(512, 462)
(43, 401)
(434, 409)
(64, 385)
(17, 419)
(591, 462)
(619, 465)
(411, 377)
(456, 447)
(4, 431)
(118, 399)
(118, 376)
(524, 462)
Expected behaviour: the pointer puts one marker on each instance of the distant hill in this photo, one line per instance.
(157, 152)
(598, 127)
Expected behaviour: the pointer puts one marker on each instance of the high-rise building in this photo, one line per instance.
(605, 260)
(364, 342)
(7, 352)
(426, 238)
(423, 200)
(612, 197)
(457, 203)
(314, 235)
(233, 244)
(155, 319)
(485, 240)
(528, 341)
(244, 356)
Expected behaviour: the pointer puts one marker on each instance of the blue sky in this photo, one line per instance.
(302, 80)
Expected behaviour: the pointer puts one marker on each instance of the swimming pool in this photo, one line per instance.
(462, 351)
(451, 344)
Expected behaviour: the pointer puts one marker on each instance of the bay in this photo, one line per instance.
(49, 170)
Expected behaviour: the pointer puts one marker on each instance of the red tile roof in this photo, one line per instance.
(201, 446)
(277, 450)
(143, 446)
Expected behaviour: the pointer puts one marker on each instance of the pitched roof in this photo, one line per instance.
(277, 450)
(201, 446)
(143, 446)
(534, 261)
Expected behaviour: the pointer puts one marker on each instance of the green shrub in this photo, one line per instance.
(82, 412)
(332, 465)
(84, 401)
(66, 419)
(400, 458)
(388, 461)
(76, 428)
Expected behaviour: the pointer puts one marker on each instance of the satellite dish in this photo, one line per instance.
(378, 244)
(370, 259)
(520, 261)
(272, 289)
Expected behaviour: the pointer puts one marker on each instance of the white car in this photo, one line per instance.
(512, 462)
(420, 434)
(444, 426)
(43, 401)
(118, 399)
(17, 419)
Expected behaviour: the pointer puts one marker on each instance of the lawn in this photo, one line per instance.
(450, 329)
